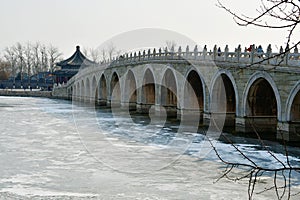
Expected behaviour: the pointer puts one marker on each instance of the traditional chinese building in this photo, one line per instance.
(71, 66)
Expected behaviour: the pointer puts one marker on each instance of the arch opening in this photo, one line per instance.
(148, 91)
(102, 91)
(87, 95)
(82, 89)
(94, 92)
(115, 90)
(223, 100)
(261, 108)
(169, 93)
(295, 109)
(294, 127)
(130, 90)
(194, 94)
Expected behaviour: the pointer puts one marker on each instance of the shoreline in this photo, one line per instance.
(30, 93)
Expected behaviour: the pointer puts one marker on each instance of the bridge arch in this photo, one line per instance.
(82, 90)
(87, 89)
(254, 86)
(194, 92)
(102, 91)
(293, 104)
(169, 92)
(225, 78)
(115, 89)
(148, 88)
(130, 90)
(169, 89)
(94, 91)
(224, 97)
(262, 105)
(78, 94)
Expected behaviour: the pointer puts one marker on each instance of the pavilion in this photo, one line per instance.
(70, 66)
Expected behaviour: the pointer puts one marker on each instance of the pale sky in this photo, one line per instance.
(89, 23)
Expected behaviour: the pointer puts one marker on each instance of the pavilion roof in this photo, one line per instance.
(76, 60)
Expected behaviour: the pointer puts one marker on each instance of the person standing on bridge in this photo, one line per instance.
(260, 51)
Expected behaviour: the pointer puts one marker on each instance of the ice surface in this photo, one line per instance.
(53, 149)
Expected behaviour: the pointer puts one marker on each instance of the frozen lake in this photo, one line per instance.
(55, 149)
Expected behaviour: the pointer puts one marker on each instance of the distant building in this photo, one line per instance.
(71, 66)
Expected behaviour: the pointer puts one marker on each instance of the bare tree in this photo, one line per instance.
(171, 45)
(36, 57)
(10, 56)
(28, 58)
(4, 69)
(54, 55)
(105, 54)
(44, 58)
(93, 54)
(19, 50)
(272, 14)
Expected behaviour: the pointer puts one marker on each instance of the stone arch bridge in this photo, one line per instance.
(253, 90)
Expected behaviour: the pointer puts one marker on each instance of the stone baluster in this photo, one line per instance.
(131, 56)
(172, 51)
(179, 51)
(166, 52)
(281, 49)
(287, 54)
(154, 53)
(134, 57)
(226, 52)
(149, 54)
(296, 52)
(139, 55)
(195, 52)
(269, 52)
(204, 52)
(215, 52)
(159, 52)
(252, 53)
(238, 53)
(187, 51)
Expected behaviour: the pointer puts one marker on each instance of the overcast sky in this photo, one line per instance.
(89, 23)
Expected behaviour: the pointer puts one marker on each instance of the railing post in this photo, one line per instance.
(179, 51)
(187, 51)
(149, 53)
(154, 53)
(159, 53)
(269, 51)
(215, 52)
(252, 54)
(139, 56)
(296, 52)
(195, 52)
(166, 52)
(204, 52)
(172, 52)
(134, 58)
(226, 52)
(238, 53)
(286, 54)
